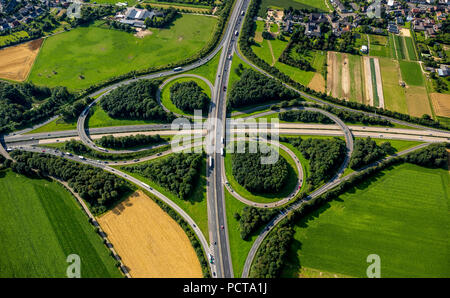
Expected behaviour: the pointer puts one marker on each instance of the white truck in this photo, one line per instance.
(221, 151)
(210, 162)
(81, 157)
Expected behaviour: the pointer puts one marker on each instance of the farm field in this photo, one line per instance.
(415, 91)
(165, 94)
(379, 46)
(157, 247)
(411, 73)
(402, 217)
(441, 104)
(394, 94)
(89, 55)
(16, 61)
(41, 224)
(354, 78)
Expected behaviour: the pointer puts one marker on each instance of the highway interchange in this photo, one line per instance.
(218, 127)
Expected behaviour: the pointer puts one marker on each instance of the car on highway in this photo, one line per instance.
(224, 88)
(222, 227)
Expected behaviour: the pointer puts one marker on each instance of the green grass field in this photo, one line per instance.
(379, 46)
(100, 118)
(40, 225)
(394, 94)
(411, 73)
(401, 215)
(411, 49)
(165, 94)
(89, 55)
(209, 69)
(195, 205)
(238, 248)
(56, 125)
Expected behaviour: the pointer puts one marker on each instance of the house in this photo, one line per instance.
(443, 71)
(139, 14)
(392, 28)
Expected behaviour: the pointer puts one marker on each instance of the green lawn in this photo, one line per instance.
(238, 248)
(400, 215)
(40, 225)
(411, 73)
(88, 55)
(195, 205)
(234, 76)
(56, 125)
(165, 94)
(100, 118)
(209, 69)
(263, 198)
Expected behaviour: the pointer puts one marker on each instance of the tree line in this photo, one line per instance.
(136, 101)
(256, 177)
(178, 173)
(99, 188)
(305, 116)
(366, 151)
(271, 255)
(189, 96)
(252, 218)
(254, 88)
(129, 141)
(170, 14)
(324, 155)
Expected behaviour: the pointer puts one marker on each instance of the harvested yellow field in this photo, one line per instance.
(441, 104)
(149, 241)
(317, 83)
(16, 61)
(417, 101)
